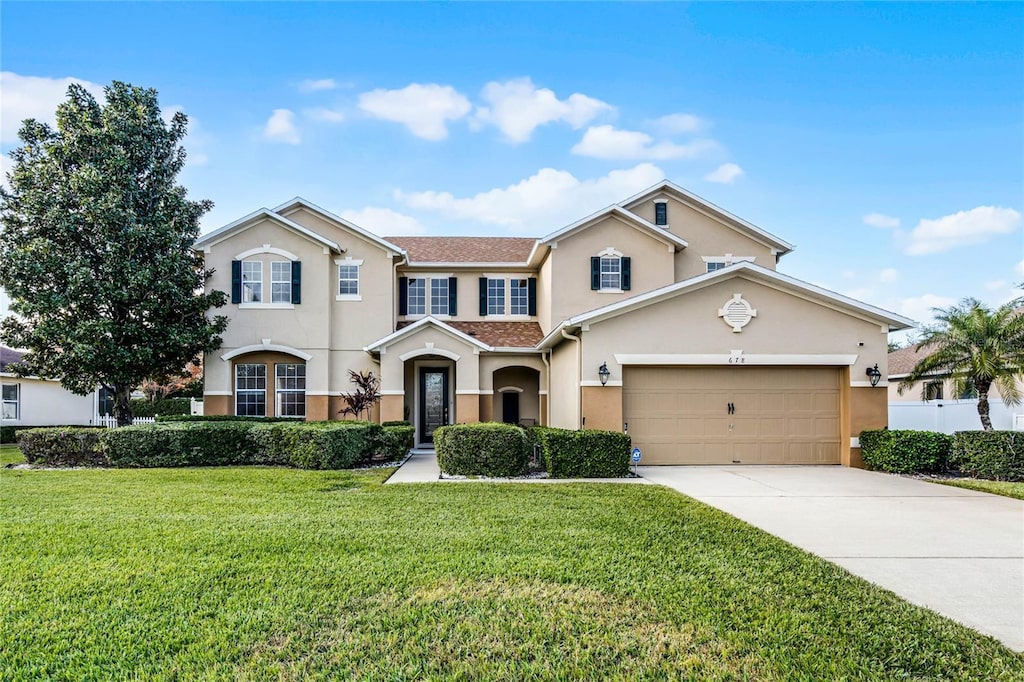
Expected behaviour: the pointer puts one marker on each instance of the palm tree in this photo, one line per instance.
(975, 345)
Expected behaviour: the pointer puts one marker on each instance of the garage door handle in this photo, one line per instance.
(732, 408)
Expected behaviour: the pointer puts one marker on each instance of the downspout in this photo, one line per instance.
(579, 377)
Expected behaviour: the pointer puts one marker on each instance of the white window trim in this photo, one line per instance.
(236, 390)
(263, 298)
(279, 391)
(505, 299)
(267, 306)
(426, 297)
(278, 281)
(517, 316)
(16, 401)
(430, 297)
(728, 259)
(358, 263)
(267, 248)
(611, 254)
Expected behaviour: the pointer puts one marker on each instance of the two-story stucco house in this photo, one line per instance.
(663, 315)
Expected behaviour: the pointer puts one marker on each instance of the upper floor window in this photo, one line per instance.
(348, 280)
(661, 213)
(519, 297)
(250, 390)
(713, 263)
(252, 281)
(439, 296)
(290, 384)
(281, 281)
(716, 265)
(495, 296)
(11, 401)
(417, 296)
(435, 295)
(933, 390)
(610, 272)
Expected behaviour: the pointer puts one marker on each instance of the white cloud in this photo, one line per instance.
(919, 308)
(881, 220)
(424, 109)
(964, 228)
(316, 84)
(1019, 268)
(518, 107)
(281, 127)
(888, 275)
(324, 115)
(680, 123)
(541, 203)
(724, 174)
(608, 142)
(384, 221)
(34, 97)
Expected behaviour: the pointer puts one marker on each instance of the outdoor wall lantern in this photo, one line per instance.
(603, 373)
(873, 374)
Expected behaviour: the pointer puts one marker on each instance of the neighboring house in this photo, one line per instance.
(931, 404)
(662, 314)
(31, 401)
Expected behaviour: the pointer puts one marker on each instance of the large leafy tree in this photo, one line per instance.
(974, 345)
(96, 247)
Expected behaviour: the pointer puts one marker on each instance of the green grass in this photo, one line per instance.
(281, 574)
(10, 454)
(1004, 488)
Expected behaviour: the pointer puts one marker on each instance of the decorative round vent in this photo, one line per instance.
(737, 313)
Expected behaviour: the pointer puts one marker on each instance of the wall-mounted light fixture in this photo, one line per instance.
(603, 373)
(873, 374)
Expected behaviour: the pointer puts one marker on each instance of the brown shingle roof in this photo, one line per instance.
(8, 357)
(466, 249)
(903, 360)
(497, 334)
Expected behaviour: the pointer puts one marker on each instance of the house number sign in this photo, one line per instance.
(737, 313)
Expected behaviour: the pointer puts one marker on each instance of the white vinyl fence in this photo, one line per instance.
(947, 416)
(111, 422)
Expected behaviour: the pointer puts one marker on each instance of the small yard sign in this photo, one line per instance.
(636, 455)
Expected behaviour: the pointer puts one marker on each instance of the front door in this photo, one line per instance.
(510, 407)
(433, 401)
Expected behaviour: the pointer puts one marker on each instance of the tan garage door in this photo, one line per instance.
(780, 415)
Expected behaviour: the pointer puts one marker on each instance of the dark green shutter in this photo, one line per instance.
(595, 272)
(531, 296)
(453, 296)
(296, 282)
(625, 273)
(403, 295)
(236, 281)
(483, 297)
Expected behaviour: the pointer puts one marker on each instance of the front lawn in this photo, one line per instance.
(10, 454)
(1005, 488)
(282, 574)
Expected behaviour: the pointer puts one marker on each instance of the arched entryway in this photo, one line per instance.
(516, 398)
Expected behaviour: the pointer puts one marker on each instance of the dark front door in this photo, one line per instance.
(433, 401)
(510, 407)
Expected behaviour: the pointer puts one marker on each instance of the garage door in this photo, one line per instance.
(779, 415)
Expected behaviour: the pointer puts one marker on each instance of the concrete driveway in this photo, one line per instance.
(955, 551)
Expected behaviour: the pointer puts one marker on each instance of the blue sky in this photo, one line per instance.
(886, 141)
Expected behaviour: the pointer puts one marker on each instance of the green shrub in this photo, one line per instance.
(179, 445)
(331, 445)
(168, 406)
(62, 446)
(588, 453)
(396, 422)
(996, 455)
(396, 440)
(485, 449)
(225, 418)
(905, 452)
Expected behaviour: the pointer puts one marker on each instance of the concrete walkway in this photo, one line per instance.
(955, 551)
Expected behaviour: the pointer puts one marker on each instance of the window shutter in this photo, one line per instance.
(296, 282)
(403, 295)
(483, 297)
(625, 273)
(595, 272)
(236, 281)
(531, 294)
(453, 296)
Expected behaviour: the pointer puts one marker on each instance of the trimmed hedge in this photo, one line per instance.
(396, 440)
(225, 418)
(995, 455)
(63, 446)
(397, 422)
(484, 449)
(905, 452)
(589, 453)
(168, 406)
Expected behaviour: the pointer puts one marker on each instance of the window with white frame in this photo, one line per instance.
(611, 272)
(519, 296)
(290, 385)
(495, 296)
(281, 281)
(251, 390)
(11, 408)
(439, 296)
(252, 281)
(716, 265)
(417, 296)
(661, 213)
(348, 280)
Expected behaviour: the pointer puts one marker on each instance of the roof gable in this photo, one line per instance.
(386, 341)
(711, 210)
(220, 234)
(625, 216)
(299, 202)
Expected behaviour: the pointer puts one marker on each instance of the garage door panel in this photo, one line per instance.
(783, 415)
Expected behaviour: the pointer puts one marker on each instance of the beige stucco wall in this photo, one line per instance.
(564, 397)
(46, 403)
(705, 235)
(652, 266)
(544, 296)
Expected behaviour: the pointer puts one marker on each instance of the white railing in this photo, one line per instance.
(111, 422)
(1018, 422)
(949, 416)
